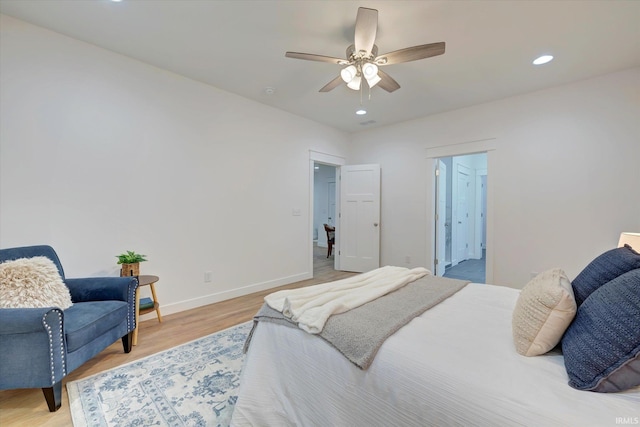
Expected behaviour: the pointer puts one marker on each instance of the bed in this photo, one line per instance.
(454, 364)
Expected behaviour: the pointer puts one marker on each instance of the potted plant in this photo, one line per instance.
(130, 262)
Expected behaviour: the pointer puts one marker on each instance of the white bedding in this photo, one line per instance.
(454, 365)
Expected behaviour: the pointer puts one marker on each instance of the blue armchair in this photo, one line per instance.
(40, 346)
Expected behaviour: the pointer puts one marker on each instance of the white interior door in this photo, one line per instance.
(441, 217)
(462, 217)
(358, 234)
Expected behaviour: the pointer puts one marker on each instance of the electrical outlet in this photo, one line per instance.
(533, 274)
(207, 276)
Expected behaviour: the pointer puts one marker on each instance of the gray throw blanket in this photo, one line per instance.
(359, 333)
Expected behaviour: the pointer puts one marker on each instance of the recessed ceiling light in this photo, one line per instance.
(361, 112)
(542, 59)
(116, 1)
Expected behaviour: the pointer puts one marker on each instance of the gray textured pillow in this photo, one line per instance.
(543, 312)
(32, 283)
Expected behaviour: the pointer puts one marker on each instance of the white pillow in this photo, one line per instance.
(544, 310)
(32, 283)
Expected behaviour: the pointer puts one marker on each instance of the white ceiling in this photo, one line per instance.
(239, 46)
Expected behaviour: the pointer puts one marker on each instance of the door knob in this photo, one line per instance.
(375, 224)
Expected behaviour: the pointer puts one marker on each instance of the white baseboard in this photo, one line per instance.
(180, 306)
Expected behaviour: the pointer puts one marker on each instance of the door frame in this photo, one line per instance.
(337, 162)
(489, 146)
(479, 219)
(440, 246)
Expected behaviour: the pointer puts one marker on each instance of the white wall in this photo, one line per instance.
(100, 153)
(563, 178)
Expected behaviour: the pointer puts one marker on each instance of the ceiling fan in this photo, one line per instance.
(363, 61)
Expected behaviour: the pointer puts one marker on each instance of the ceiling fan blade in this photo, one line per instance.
(411, 54)
(387, 82)
(319, 58)
(332, 84)
(366, 29)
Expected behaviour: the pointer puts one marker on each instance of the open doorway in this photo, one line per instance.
(324, 212)
(356, 214)
(461, 191)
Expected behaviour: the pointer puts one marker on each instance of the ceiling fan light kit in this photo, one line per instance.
(352, 75)
(348, 73)
(363, 60)
(354, 83)
(369, 70)
(374, 80)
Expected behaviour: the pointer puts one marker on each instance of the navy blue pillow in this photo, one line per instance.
(603, 269)
(602, 346)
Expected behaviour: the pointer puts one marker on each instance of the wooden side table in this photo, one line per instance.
(146, 280)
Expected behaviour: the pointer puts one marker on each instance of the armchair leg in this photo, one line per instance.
(53, 396)
(127, 342)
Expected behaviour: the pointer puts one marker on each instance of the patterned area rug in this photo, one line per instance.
(193, 384)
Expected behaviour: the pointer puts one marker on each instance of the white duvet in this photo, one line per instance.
(455, 365)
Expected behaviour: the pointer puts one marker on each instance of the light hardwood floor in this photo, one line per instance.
(27, 407)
